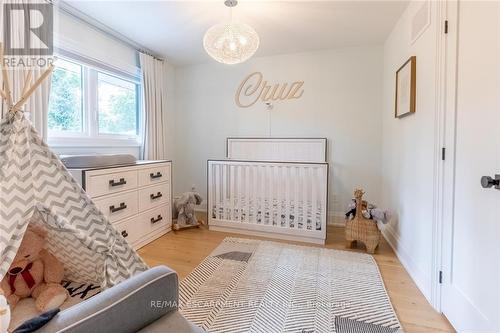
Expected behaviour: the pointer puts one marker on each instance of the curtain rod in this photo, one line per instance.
(79, 15)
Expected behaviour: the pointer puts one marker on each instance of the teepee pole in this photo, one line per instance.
(27, 82)
(5, 93)
(35, 85)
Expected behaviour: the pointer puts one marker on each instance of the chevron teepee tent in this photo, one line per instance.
(35, 187)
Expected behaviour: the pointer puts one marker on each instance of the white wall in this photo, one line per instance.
(409, 152)
(342, 101)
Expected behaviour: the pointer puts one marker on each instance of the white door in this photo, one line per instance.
(471, 292)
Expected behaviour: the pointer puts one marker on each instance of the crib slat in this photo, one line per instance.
(267, 172)
(225, 190)
(231, 192)
(247, 194)
(314, 196)
(296, 197)
(262, 203)
(216, 187)
(237, 192)
(276, 203)
(303, 200)
(286, 181)
(290, 196)
(255, 192)
(324, 198)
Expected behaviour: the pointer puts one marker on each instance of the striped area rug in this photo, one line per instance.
(259, 286)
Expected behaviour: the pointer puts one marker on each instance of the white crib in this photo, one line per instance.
(287, 200)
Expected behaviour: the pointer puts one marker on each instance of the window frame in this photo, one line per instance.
(89, 136)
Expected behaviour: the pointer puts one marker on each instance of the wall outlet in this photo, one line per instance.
(193, 188)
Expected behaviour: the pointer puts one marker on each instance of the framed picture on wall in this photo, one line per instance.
(406, 88)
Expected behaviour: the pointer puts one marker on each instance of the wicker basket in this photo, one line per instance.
(362, 229)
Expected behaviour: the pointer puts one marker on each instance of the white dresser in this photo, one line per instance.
(136, 198)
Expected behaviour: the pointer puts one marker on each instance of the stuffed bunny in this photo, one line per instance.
(184, 208)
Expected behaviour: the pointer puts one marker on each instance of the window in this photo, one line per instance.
(117, 105)
(90, 104)
(65, 103)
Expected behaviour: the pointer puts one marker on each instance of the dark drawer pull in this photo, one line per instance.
(158, 219)
(114, 209)
(153, 176)
(124, 233)
(121, 182)
(158, 195)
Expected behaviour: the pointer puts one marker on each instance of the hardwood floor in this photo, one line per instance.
(184, 250)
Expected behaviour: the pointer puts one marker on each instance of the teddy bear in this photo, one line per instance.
(35, 273)
(184, 208)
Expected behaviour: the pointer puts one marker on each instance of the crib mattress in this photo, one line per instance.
(271, 212)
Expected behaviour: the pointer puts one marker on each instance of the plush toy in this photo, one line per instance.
(36, 273)
(184, 208)
(4, 313)
(370, 212)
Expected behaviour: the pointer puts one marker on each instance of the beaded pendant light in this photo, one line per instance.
(231, 43)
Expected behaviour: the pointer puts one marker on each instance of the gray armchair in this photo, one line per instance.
(145, 303)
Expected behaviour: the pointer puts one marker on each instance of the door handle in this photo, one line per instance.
(124, 234)
(487, 182)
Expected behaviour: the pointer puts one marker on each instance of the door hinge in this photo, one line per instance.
(446, 26)
(443, 153)
(440, 276)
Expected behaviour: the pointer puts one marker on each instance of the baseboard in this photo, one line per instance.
(422, 281)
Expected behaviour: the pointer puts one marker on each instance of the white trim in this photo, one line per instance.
(81, 142)
(421, 279)
(440, 132)
(446, 231)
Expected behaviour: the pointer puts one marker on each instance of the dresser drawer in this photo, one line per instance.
(157, 174)
(155, 219)
(119, 206)
(109, 183)
(130, 230)
(153, 196)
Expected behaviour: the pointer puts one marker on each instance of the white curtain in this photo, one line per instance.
(154, 79)
(38, 105)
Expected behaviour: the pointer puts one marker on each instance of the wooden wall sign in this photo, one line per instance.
(254, 88)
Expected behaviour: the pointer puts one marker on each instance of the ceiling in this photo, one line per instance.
(175, 29)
